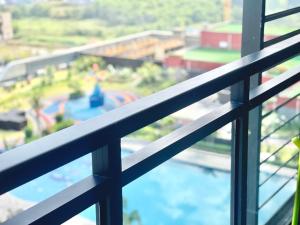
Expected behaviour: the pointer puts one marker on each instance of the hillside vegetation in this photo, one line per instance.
(58, 24)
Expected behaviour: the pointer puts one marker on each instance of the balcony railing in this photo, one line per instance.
(101, 136)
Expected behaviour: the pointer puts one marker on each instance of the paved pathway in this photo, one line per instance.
(207, 159)
(11, 206)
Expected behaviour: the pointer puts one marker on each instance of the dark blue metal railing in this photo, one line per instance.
(102, 136)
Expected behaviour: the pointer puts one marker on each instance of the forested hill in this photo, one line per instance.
(57, 23)
(164, 13)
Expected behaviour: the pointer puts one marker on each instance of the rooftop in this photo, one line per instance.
(270, 29)
(211, 55)
(221, 56)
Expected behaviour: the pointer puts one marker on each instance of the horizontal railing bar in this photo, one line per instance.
(274, 86)
(283, 215)
(281, 14)
(168, 146)
(283, 37)
(277, 191)
(65, 204)
(275, 152)
(29, 161)
(278, 169)
(259, 94)
(280, 106)
(279, 127)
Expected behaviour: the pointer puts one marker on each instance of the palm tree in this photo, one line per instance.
(36, 96)
(130, 218)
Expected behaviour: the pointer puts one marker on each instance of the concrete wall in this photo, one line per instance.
(200, 65)
(176, 61)
(233, 41)
(210, 39)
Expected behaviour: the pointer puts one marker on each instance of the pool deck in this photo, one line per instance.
(207, 159)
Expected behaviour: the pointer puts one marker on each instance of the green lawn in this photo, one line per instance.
(211, 55)
(225, 56)
(270, 29)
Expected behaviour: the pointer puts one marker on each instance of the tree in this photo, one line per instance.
(149, 74)
(69, 74)
(29, 134)
(50, 74)
(61, 123)
(76, 93)
(85, 63)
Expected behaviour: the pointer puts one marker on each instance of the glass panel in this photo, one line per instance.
(281, 26)
(191, 188)
(278, 6)
(45, 186)
(87, 217)
(278, 156)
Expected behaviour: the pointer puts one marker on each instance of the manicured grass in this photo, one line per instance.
(271, 29)
(226, 56)
(212, 55)
(234, 28)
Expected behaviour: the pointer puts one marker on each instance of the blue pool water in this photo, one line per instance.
(171, 194)
(53, 108)
(79, 109)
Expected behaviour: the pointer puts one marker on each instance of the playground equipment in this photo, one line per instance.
(97, 98)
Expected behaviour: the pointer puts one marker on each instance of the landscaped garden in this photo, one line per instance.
(58, 98)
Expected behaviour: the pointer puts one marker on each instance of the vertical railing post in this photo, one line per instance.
(239, 156)
(106, 161)
(252, 41)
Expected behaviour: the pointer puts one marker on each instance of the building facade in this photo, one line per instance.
(6, 28)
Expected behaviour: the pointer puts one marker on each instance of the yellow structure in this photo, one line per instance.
(227, 10)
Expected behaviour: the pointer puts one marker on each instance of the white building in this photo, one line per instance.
(6, 29)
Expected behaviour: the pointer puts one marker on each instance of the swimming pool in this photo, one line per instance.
(172, 194)
(80, 110)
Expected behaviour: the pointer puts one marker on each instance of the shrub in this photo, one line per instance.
(28, 133)
(76, 94)
(59, 118)
(62, 125)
